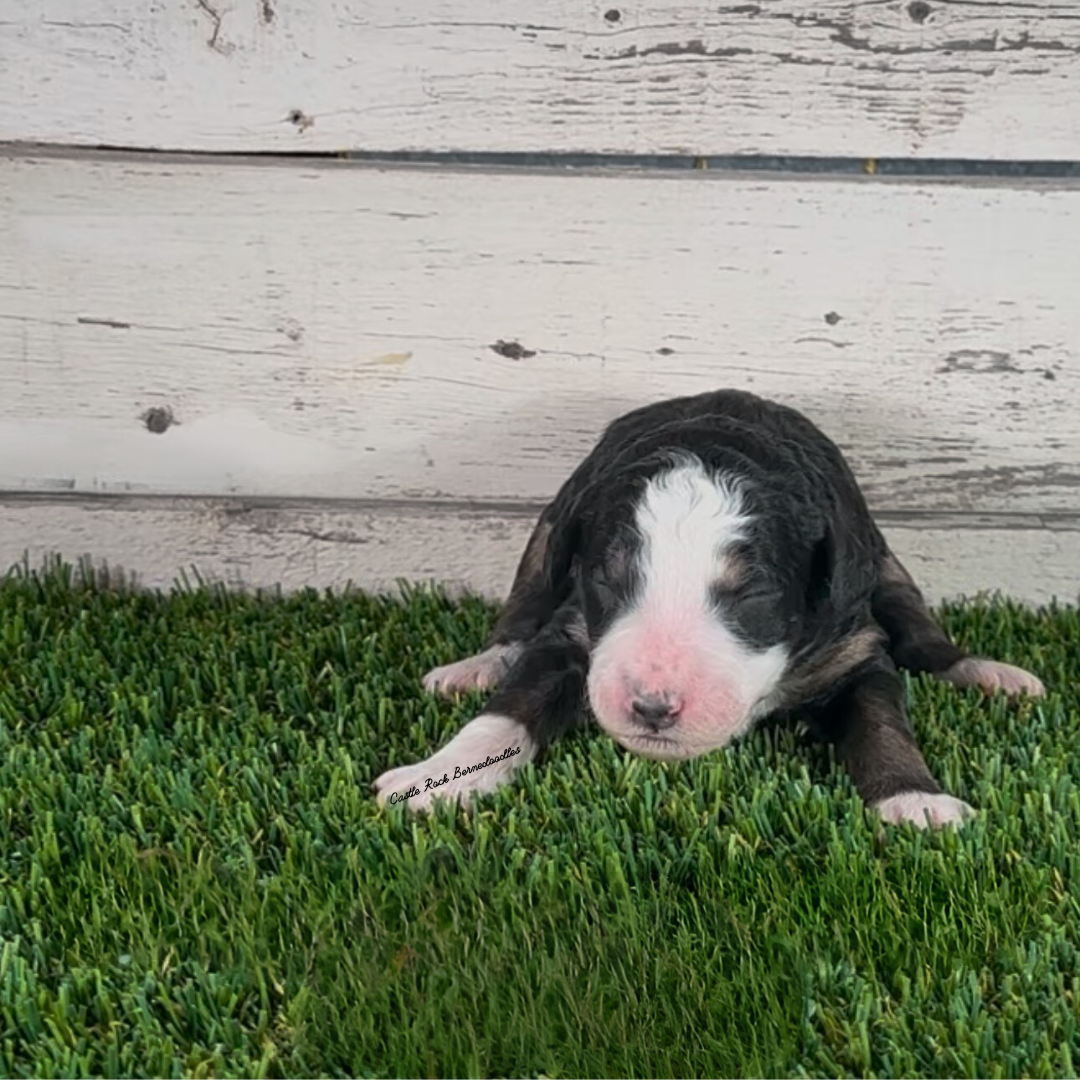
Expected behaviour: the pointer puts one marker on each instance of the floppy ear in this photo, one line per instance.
(543, 579)
(563, 546)
(842, 569)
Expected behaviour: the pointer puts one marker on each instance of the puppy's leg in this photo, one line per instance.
(917, 643)
(869, 727)
(541, 697)
(532, 602)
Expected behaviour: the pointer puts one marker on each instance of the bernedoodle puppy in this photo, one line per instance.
(710, 564)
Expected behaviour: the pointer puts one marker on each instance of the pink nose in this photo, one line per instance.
(655, 712)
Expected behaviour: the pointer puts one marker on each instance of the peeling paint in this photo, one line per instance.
(391, 359)
(979, 362)
(824, 341)
(694, 47)
(114, 324)
(214, 42)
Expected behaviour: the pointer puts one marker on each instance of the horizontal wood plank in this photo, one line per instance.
(184, 326)
(832, 77)
(304, 543)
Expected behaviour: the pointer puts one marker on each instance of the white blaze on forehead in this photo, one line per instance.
(687, 519)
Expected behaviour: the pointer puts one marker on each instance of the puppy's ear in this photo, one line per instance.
(564, 544)
(543, 579)
(841, 570)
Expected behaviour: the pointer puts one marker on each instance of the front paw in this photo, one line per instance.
(923, 809)
(484, 671)
(994, 677)
(482, 757)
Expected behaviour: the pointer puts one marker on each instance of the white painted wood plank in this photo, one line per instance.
(847, 77)
(326, 331)
(307, 544)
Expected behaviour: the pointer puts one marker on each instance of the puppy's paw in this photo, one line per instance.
(923, 809)
(484, 671)
(483, 756)
(994, 677)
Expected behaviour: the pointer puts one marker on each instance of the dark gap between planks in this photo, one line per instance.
(793, 163)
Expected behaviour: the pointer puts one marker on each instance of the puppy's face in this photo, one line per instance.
(691, 618)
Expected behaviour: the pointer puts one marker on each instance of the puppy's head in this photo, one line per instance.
(695, 588)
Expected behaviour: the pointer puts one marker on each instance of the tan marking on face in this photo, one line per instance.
(577, 631)
(733, 571)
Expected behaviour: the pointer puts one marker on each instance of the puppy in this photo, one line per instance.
(711, 563)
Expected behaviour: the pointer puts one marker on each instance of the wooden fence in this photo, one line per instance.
(238, 331)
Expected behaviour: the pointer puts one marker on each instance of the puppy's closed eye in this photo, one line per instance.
(752, 609)
(747, 592)
(607, 590)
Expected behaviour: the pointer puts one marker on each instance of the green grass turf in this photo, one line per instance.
(195, 880)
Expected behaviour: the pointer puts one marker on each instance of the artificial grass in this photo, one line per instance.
(195, 879)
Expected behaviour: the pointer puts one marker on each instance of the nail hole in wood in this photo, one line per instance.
(158, 420)
(832, 318)
(512, 350)
(919, 11)
(613, 15)
(300, 119)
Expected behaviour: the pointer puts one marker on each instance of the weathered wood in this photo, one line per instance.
(188, 326)
(865, 78)
(307, 543)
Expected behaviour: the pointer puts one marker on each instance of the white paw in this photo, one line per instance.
(922, 809)
(992, 676)
(483, 671)
(480, 758)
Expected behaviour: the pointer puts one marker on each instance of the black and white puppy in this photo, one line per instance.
(711, 563)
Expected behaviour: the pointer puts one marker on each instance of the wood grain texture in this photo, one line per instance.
(305, 543)
(184, 326)
(833, 77)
